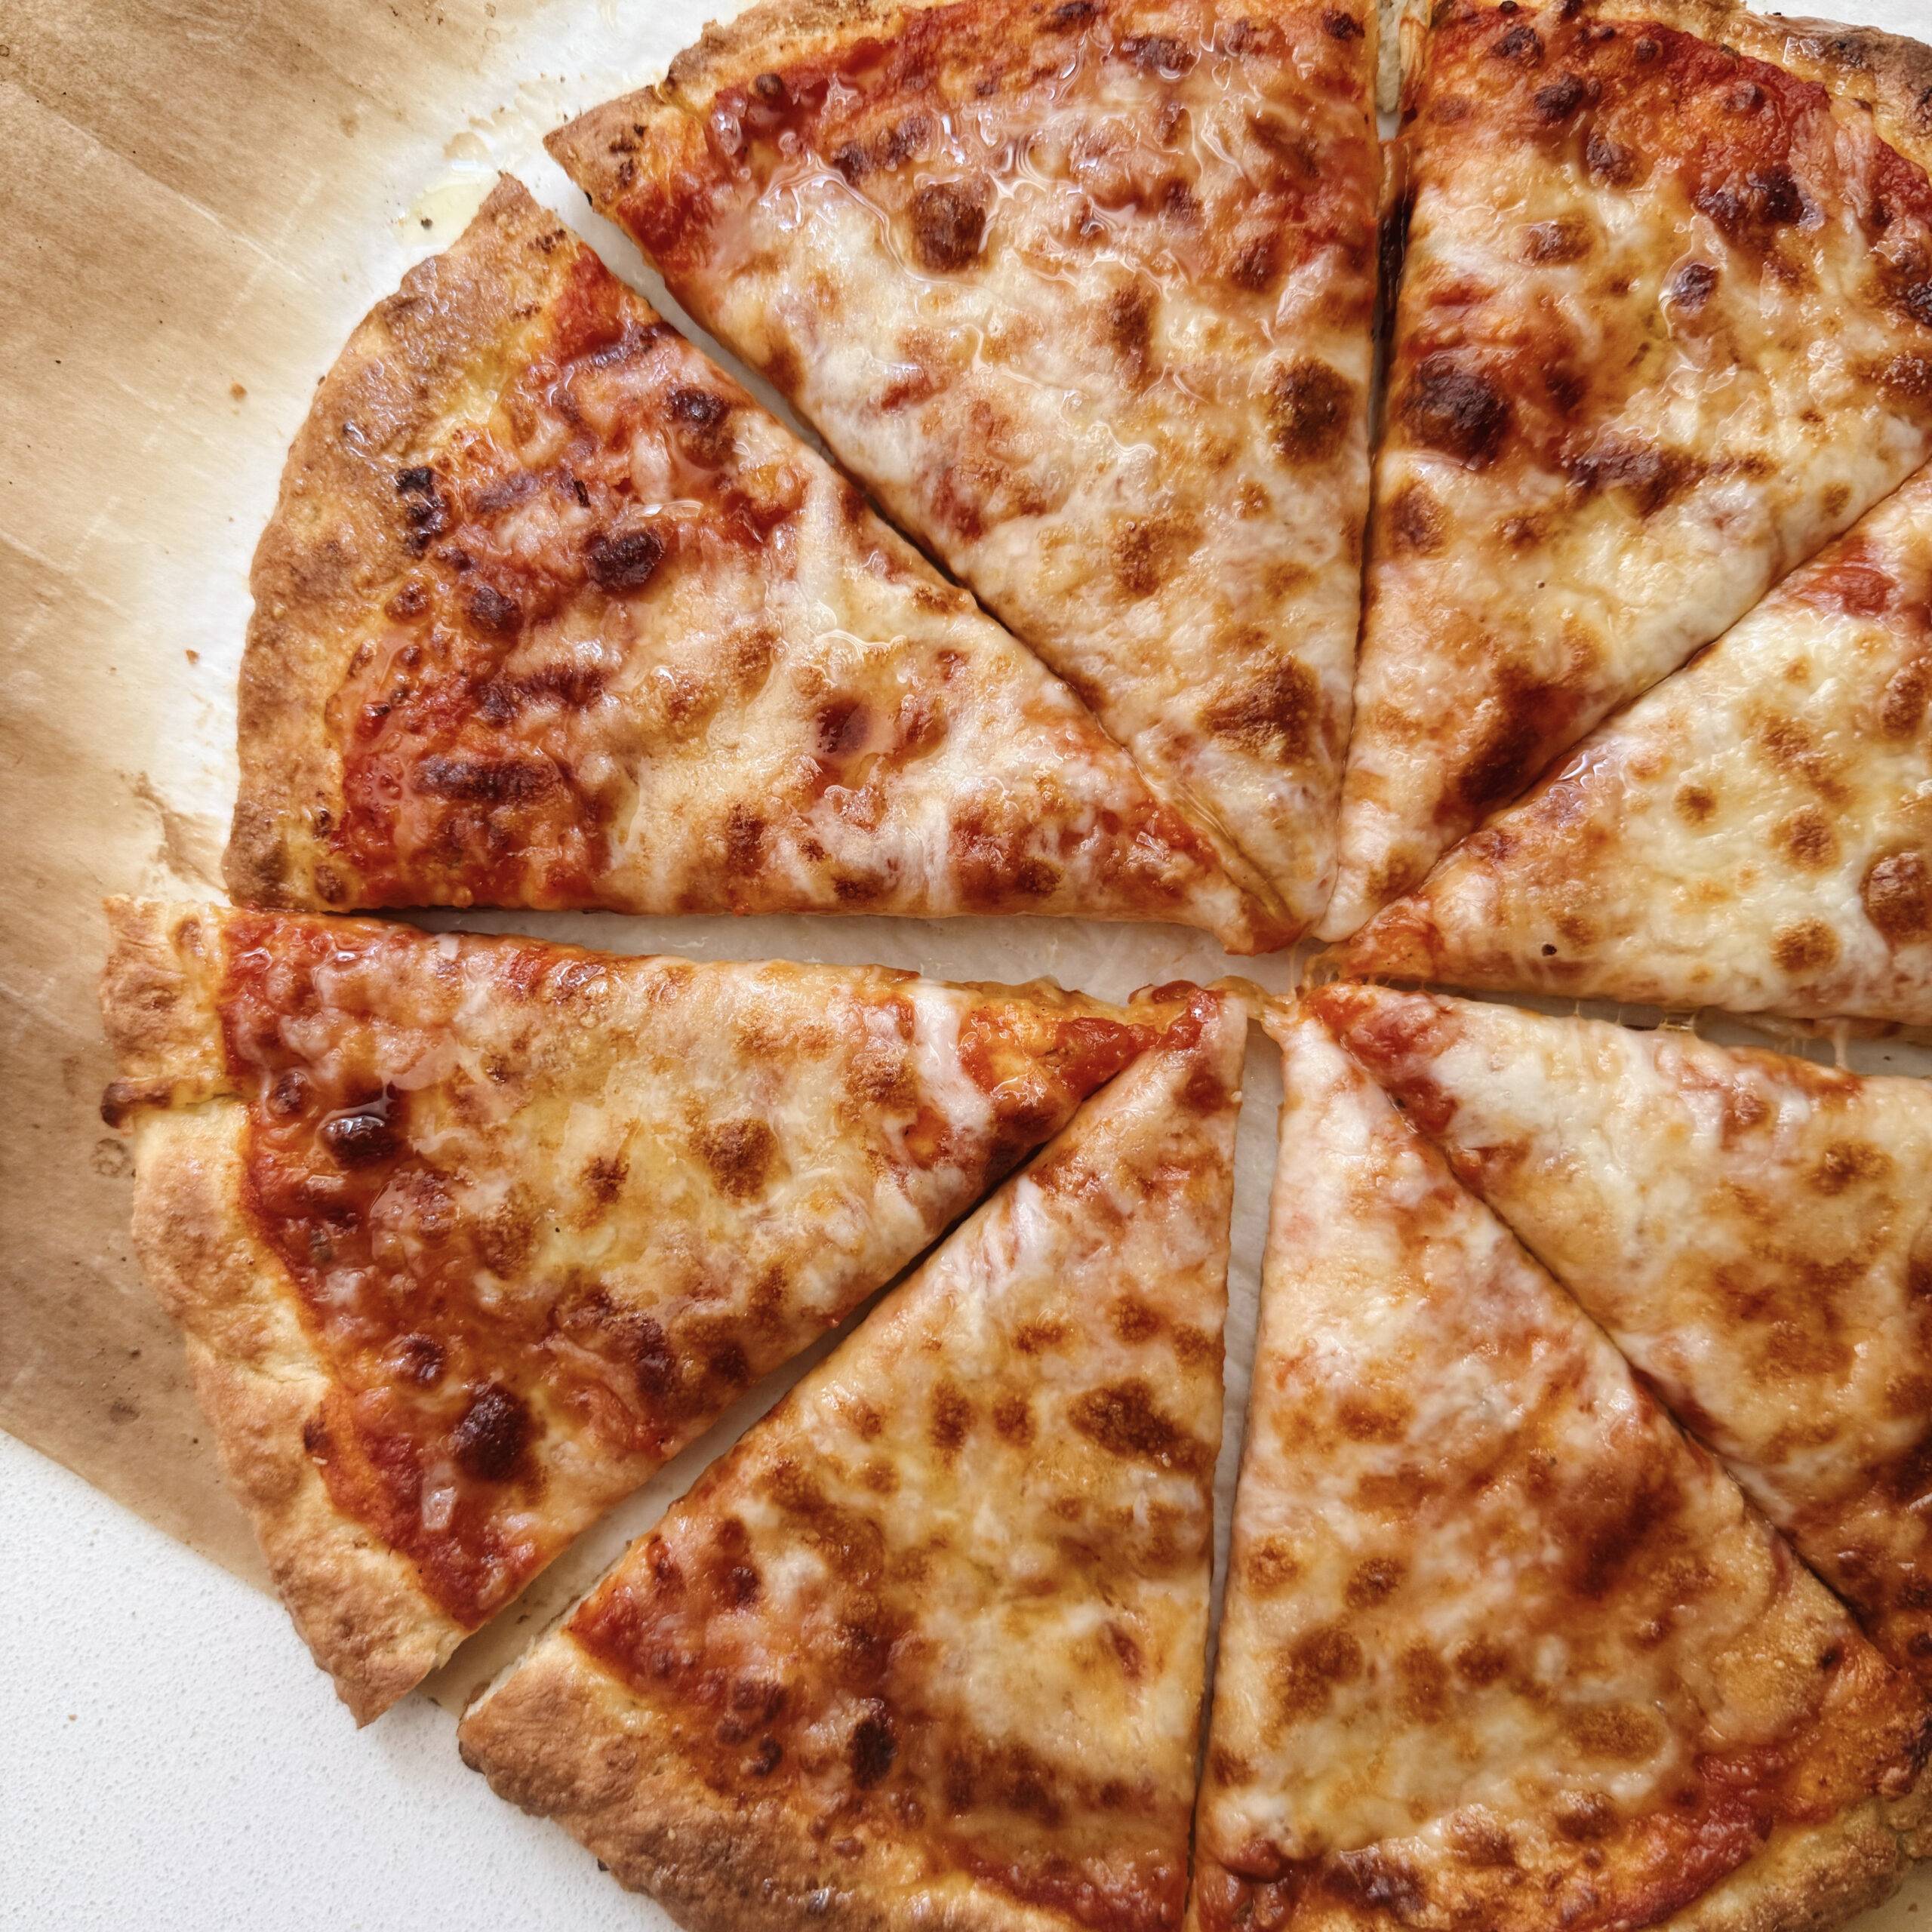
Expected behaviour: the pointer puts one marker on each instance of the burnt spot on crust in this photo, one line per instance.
(1897, 893)
(1124, 1419)
(738, 1155)
(1310, 408)
(1452, 406)
(1280, 708)
(624, 560)
(492, 1435)
(948, 223)
(424, 510)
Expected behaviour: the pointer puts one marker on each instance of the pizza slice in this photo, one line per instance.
(1083, 291)
(927, 1647)
(552, 614)
(1501, 1648)
(1755, 1231)
(1751, 834)
(1665, 329)
(470, 1236)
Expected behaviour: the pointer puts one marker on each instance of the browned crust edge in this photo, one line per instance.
(333, 542)
(562, 1739)
(360, 1607)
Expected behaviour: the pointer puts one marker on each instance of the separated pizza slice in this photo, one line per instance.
(470, 1236)
(1754, 1231)
(1665, 329)
(1501, 1648)
(552, 614)
(1751, 834)
(927, 1647)
(1085, 292)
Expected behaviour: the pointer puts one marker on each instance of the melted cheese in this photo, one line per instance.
(938, 1623)
(1500, 1648)
(1085, 295)
(627, 642)
(1663, 331)
(546, 1212)
(1754, 833)
(1755, 1231)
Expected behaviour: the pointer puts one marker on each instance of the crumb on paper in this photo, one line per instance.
(193, 656)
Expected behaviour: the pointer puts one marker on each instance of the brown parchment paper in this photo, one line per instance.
(199, 201)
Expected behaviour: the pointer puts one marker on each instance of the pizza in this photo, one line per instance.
(1752, 833)
(552, 614)
(1083, 290)
(927, 1647)
(468, 1236)
(1501, 1648)
(1754, 1231)
(1664, 329)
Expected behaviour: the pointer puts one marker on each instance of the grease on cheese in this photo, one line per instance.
(1755, 1232)
(1751, 834)
(941, 1617)
(546, 1212)
(1500, 1648)
(1665, 329)
(625, 641)
(1084, 292)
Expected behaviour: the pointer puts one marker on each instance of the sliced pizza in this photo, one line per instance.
(927, 1647)
(1665, 329)
(552, 614)
(468, 1236)
(1083, 291)
(1754, 833)
(1755, 1231)
(1502, 1648)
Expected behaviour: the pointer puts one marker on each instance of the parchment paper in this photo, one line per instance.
(200, 200)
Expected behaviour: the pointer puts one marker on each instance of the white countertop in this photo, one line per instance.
(171, 1759)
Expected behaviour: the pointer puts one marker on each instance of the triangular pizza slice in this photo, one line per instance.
(470, 1236)
(1502, 1648)
(1751, 834)
(551, 613)
(1755, 1231)
(927, 1647)
(1083, 291)
(1665, 329)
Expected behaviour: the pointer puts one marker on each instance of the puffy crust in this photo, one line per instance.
(1890, 74)
(361, 1608)
(561, 1738)
(331, 543)
(158, 1022)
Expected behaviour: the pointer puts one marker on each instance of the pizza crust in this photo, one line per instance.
(360, 1607)
(561, 1738)
(331, 546)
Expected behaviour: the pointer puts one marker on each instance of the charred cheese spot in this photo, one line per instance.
(949, 224)
(1451, 406)
(1897, 893)
(739, 1154)
(1417, 524)
(1310, 408)
(1125, 1420)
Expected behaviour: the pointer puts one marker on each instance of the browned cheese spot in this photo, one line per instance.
(739, 1154)
(1897, 896)
(1310, 406)
(948, 223)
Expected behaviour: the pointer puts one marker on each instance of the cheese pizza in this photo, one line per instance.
(468, 1236)
(552, 614)
(1083, 291)
(1501, 1648)
(1752, 833)
(927, 1647)
(1755, 1232)
(1664, 329)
